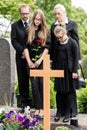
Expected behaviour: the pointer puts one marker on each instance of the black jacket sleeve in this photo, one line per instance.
(72, 52)
(18, 36)
(72, 30)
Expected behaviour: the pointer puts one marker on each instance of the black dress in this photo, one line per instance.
(35, 51)
(35, 48)
(61, 62)
(65, 86)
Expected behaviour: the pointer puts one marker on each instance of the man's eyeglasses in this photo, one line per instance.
(24, 13)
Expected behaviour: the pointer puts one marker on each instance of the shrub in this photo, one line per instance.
(16, 91)
(52, 94)
(61, 128)
(82, 100)
(84, 66)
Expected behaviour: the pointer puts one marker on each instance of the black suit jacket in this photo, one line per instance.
(72, 31)
(18, 36)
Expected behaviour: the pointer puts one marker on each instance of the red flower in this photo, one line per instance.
(38, 41)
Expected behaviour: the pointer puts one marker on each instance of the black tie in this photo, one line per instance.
(26, 24)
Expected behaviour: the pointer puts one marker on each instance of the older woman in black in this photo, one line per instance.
(65, 58)
(37, 47)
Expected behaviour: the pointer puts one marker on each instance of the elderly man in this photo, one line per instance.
(63, 20)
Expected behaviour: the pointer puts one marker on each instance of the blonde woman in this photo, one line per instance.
(65, 58)
(37, 47)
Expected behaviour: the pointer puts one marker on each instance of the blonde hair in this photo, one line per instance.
(59, 29)
(43, 29)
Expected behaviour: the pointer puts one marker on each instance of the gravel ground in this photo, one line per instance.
(82, 122)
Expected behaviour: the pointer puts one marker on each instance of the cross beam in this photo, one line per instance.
(46, 73)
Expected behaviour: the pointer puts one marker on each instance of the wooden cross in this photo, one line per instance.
(46, 73)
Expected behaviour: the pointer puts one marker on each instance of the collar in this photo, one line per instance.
(66, 21)
(25, 21)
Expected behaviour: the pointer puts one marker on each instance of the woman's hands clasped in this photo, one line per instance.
(37, 63)
(34, 65)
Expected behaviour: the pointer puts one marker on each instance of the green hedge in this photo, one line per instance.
(84, 66)
(62, 128)
(52, 94)
(82, 100)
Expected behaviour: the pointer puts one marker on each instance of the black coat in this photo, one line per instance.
(18, 36)
(72, 31)
(72, 55)
(65, 58)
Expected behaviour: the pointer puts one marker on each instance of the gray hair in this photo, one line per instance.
(60, 6)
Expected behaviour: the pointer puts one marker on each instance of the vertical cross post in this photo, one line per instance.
(46, 73)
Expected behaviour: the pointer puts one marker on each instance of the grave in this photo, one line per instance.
(7, 71)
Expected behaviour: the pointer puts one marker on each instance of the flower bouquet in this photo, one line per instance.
(14, 120)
